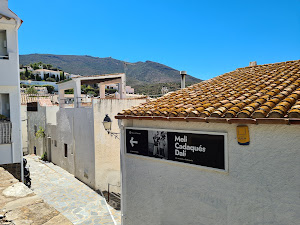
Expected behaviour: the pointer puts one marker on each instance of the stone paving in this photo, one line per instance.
(75, 200)
(20, 206)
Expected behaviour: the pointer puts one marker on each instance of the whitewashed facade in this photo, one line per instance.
(10, 124)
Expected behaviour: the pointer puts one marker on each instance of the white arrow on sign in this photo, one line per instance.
(132, 142)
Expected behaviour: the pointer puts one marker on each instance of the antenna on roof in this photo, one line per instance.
(183, 74)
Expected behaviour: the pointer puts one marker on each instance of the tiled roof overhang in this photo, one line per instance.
(258, 94)
(288, 121)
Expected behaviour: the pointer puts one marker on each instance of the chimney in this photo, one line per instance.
(254, 63)
(183, 74)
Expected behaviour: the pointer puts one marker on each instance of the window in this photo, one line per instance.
(3, 45)
(4, 107)
(66, 150)
(32, 106)
(55, 143)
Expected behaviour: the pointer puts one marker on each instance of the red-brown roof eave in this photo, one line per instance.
(288, 121)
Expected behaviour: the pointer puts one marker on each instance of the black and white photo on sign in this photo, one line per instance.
(157, 144)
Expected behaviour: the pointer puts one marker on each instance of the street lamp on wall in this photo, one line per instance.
(107, 126)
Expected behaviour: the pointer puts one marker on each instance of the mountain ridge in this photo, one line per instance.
(138, 73)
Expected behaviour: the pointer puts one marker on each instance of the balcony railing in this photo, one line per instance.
(5, 132)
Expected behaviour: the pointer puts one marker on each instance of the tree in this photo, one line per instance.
(38, 77)
(50, 88)
(49, 66)
(31, 90)
(26, 72)
(22, 76)
(62, 75)
(91, 93)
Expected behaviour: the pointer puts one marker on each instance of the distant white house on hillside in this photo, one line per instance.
(44, 73)
(129, 89)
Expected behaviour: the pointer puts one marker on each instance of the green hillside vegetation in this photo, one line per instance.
(146, 77)
(156, 88)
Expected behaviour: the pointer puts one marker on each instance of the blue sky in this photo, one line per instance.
(205, 38)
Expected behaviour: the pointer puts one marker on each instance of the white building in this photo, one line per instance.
(10, 127)
(40, 90)
(129, 89)
(75, 136)
(224, 151)
(33, 82)
(49, 73)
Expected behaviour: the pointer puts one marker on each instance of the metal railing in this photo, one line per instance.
(5, 132)
(80, 102)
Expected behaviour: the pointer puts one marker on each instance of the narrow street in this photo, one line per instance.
(75, 200)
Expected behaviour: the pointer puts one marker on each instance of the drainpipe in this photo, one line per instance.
(183, 74)
(123, 174)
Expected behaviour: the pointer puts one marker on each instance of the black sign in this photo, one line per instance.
(194, 148)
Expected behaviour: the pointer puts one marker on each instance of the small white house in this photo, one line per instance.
(49, 73)
(224, 151)
(10, 118)
(129, 89)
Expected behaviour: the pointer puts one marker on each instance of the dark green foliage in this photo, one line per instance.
(50, 88)
(69, 91)
(110, 91)
(22, 76)
(62, 75)
(91, 93)
(50, 79)
(31, 90)
(155, 89)
(27, 73)
(38, 77)
(44, 156)
(24, 85)
(49, 66)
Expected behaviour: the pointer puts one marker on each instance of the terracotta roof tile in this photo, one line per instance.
(262, 91)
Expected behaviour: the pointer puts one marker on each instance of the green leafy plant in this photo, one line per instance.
(44, 156)
(40, 133)
(2, 117)
(50, 88)
(31, 90)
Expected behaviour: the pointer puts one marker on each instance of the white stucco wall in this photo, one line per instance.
(41, 118)
(24, 128)
(38, 119)
(261, 187)
(15, 118)
(107, 147)
(74, 127)
(9, 68)
(9, 83)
